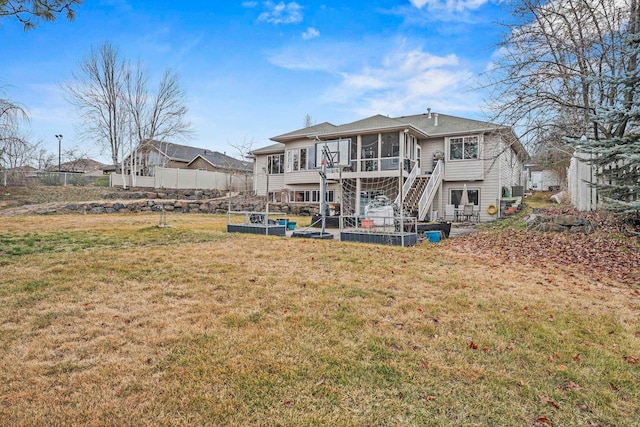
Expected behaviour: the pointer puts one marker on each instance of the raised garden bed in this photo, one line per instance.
(267, 230)
(393, 239)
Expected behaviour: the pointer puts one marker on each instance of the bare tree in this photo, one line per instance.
(97, 92)
(43, 159)
(545, 78)
(241, 153)
(308, 121)
(12, 142)
(30, 12)
(158, 115)
(116, 105)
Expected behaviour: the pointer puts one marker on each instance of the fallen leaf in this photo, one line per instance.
(546, 400)
(562, 368)
(576, 357)
(543, 420)
(431, 398)
(631, 359)
(473, 345)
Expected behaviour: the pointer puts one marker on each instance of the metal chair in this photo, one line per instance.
(476, 213)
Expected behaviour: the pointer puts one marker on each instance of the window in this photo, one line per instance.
(464, 148)
(275, 164)
(390, 145)
(303, 159)
(311, 196)
(456, 196)
(299, 159)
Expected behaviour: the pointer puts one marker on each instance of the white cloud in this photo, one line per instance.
(403, 82)
(382, 79)
(281, 13)
(249, 4)
(311, 33)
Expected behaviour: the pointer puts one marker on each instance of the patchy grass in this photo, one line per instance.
(111, 320)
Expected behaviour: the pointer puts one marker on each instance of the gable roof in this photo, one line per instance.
(278, 147)
(308, 132)
(187, 154)
(425, 125)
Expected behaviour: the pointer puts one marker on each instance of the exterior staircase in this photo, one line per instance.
(422, 190)
(412, 198)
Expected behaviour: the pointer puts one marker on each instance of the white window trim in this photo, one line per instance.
(448, 147)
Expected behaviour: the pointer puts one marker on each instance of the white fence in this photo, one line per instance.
(190, 179)
(580, 176)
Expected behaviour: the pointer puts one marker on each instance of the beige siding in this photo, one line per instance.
(429, 147)
(302, 177)
(465, 170)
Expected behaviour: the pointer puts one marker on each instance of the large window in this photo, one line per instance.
(463, 148)
(456, 196)
(300, 159)
(275, 164)
(311, 196)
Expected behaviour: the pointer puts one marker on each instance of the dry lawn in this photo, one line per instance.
(109, 320)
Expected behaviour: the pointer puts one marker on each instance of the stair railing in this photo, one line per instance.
(430, 190)
(407, 184)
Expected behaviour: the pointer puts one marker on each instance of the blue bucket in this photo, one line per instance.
(282, 221)
(432, 236)
(291, 225)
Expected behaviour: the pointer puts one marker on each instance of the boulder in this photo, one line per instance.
(559, 197)
(535, 219)
(552, 227)
(569, 220)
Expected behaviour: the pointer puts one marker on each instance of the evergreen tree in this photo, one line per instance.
(614, 146)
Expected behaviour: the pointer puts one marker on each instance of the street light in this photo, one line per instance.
(59, 149)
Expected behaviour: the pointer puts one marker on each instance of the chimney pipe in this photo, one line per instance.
(435, 117)
(429, 111)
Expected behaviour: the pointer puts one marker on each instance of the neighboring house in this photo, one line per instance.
(440, 153)
(85, 166)
(152, 154)
(166, 165)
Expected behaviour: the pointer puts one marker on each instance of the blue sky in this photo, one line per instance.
(253, 69)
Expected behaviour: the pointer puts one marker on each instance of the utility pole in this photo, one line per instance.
(59, 149)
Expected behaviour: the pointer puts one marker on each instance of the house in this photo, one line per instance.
(81, 165)
(162, 164)
(151, 154)
(441, 156)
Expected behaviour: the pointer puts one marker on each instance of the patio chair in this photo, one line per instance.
(467, 212)
(476, 213)
(450, 212)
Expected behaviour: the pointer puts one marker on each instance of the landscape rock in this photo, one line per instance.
(559, 197)
(569, 220)
(551, 227)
